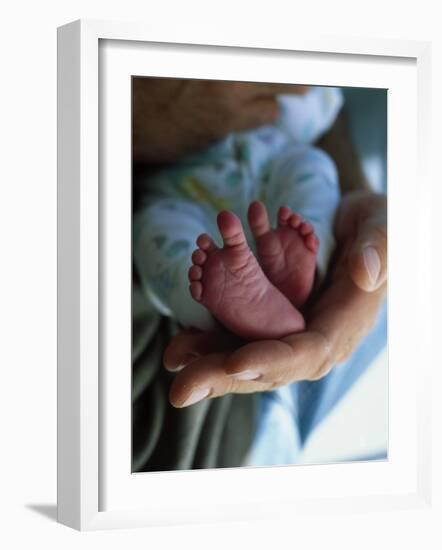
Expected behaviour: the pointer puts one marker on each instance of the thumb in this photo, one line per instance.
(368, 256)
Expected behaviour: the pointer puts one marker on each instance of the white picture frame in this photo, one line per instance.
(84, 451)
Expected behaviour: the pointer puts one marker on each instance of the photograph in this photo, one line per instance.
(259, 274)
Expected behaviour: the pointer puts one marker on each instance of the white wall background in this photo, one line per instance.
(28, 266)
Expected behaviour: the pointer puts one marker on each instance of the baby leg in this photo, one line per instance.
(304, 180)
(163, 241)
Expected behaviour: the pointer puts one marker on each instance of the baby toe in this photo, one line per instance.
(284, 214)
(195, 273)
(196, 290)
(295, 221)
(305, 229)
(231, 229)
(312, 242)
(199, 257)
(205, 242)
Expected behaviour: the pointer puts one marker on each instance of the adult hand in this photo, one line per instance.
(342, 315)
(172, 117)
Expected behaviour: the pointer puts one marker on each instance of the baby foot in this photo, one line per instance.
(286, 254)
(230, 283)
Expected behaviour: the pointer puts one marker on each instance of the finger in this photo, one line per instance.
(261, 109)
(259, 366)
(189, 345)
(206, 378)
(343, 315)
(364, 213)
(298, 89)
(258, 112)
(368, 257)
(279, 362)
(254, 89)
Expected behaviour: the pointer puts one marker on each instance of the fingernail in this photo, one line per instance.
(245, 375)
(176, 369)
(196, 396)
(372, 263)
(187, 359)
